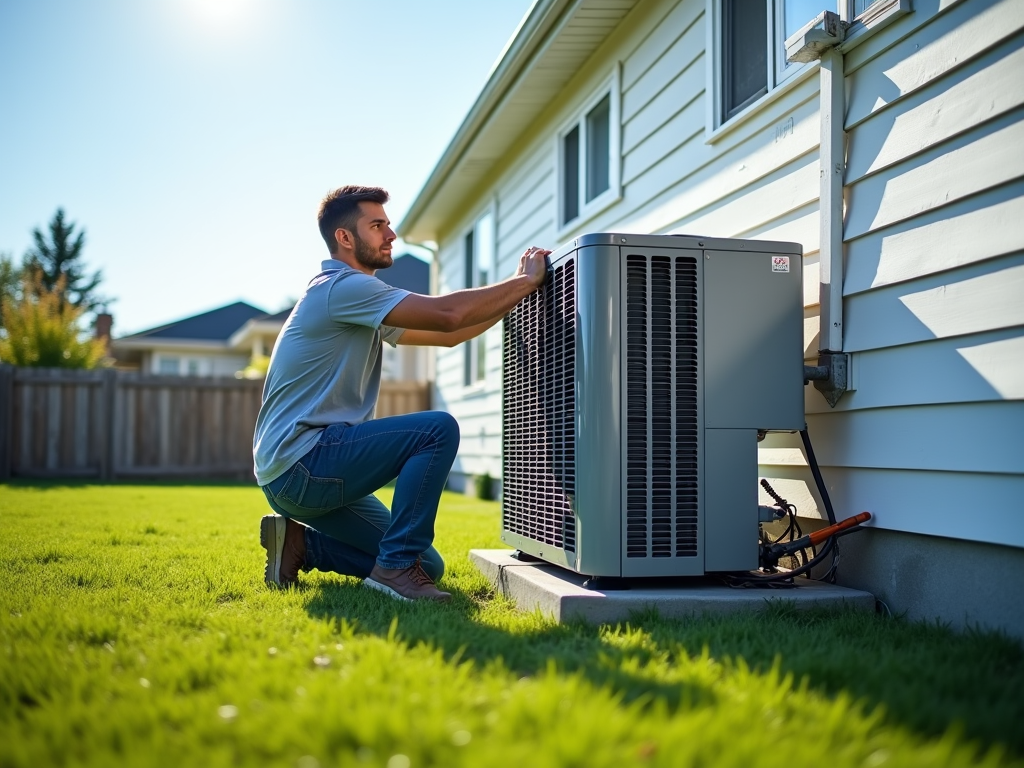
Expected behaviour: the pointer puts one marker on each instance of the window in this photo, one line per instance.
(588, 156)
(168, 365)
(744, 54)
(751, 35)
(193, 367)
(478, 252)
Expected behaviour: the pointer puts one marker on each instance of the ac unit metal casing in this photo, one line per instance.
(634, 383)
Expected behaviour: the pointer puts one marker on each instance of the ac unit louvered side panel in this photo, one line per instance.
(538, 422)
(661, 472)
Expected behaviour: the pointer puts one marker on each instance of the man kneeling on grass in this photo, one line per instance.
(319, 453)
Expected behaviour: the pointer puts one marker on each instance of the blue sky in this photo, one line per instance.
(193, 139)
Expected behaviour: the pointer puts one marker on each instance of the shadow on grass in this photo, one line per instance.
(926, 676)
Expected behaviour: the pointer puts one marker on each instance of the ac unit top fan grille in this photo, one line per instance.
(661, 407)
(538, 423)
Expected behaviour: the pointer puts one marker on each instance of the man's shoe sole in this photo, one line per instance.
(272, 530)
(385, 589)
(398, 596)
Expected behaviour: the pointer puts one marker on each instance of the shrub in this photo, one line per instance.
(42, 331)
(484, 486)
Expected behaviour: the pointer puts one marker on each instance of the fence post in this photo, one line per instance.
(109, 390)
(6, 419)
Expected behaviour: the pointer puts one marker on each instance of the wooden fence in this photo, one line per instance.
(108, 424)
(398, 397)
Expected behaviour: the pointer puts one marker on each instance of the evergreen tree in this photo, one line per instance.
(56, 260)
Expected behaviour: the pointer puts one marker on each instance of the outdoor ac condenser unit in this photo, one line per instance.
(635, 382)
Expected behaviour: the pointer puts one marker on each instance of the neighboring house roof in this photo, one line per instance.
(277, 317)
(553, 41)
(408, 272)
(216, 326)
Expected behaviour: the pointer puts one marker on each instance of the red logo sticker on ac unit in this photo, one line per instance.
(780, 263)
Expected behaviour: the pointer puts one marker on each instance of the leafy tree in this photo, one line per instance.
(41, 329)
(56, 259)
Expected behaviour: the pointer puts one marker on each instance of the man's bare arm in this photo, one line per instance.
(440, 339)
(470, 308)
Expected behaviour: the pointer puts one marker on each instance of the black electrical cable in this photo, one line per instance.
(818, 479)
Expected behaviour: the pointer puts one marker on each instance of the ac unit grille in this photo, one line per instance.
(661, 406)
(538, 424)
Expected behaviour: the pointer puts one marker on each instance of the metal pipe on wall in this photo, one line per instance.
(833, 165)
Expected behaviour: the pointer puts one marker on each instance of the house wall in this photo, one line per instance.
(931, 437)
(206, 363)
(748, 183)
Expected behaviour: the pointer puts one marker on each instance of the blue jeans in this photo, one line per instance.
(330, 490)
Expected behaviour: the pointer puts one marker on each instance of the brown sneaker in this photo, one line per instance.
(410, 583)
(285, 542)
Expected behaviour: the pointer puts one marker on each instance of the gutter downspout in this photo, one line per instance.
(820, 40)
(833, 165)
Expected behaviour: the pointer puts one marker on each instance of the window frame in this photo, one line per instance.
(610, 87)
(164, 362)
(474, 361)
(781, 75)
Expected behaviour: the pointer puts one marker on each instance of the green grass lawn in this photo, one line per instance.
(135, 630)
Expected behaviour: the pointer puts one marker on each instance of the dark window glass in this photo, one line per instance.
(470, 260)
(744, 54)
(571, 175)
(598, 138)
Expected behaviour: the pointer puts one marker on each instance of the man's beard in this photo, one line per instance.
(370, 258)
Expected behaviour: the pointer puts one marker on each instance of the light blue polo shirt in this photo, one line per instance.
(325, 367)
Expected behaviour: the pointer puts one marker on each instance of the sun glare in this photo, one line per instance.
(219, 14)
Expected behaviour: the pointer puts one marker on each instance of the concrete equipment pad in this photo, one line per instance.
(560, 593)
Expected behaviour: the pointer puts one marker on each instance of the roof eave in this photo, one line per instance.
(169, 343)
(245, 334)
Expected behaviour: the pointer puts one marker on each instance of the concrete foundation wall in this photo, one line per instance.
(964, 583)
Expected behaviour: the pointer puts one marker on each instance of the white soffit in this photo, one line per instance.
(552, 44)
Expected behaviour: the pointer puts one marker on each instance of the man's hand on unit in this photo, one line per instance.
(533, 264)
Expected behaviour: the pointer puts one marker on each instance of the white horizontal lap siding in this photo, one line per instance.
(534, 226)
(979, 367)
(525, 206)
(931, 438)
(939, 240)
(894, 65)
(958, 437)
(985, 157)
(984, 88)
(973, 299)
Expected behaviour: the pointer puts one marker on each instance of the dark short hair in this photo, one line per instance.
(340, 210)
